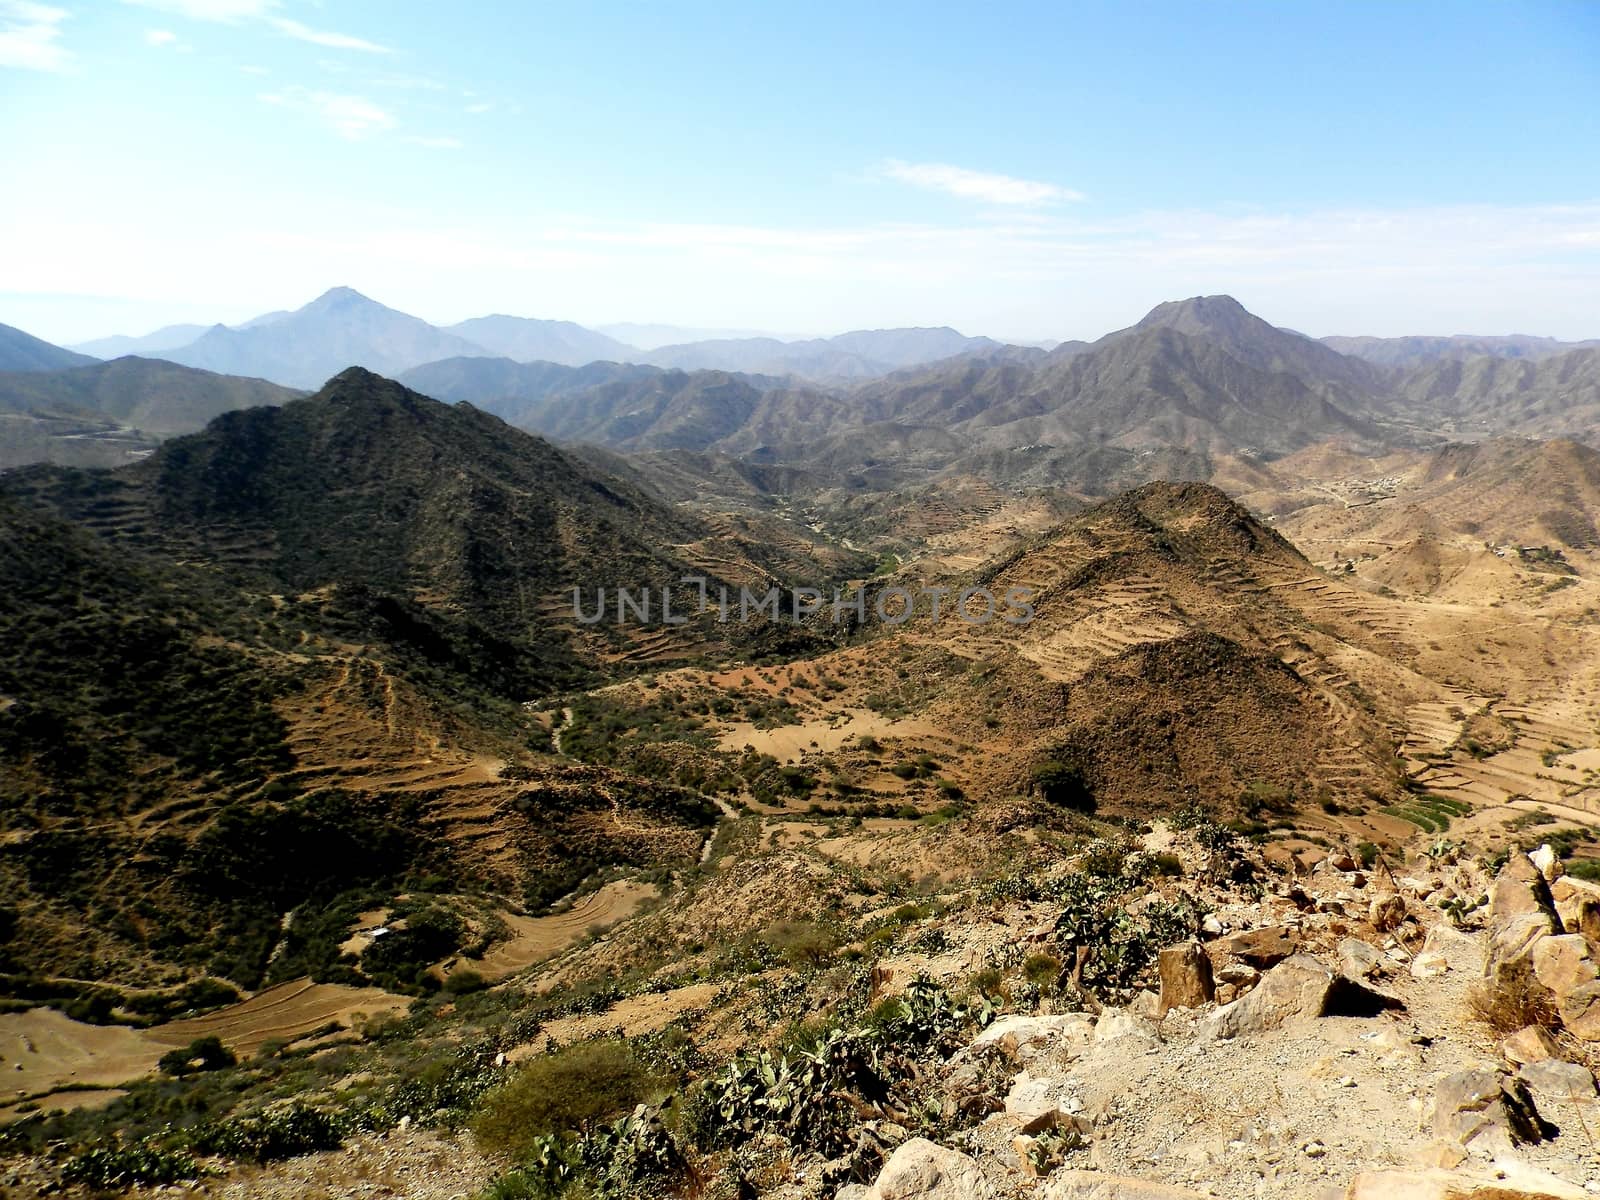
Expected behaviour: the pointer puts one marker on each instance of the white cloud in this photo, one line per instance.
(159, 37)
(977, 185)
(30, 36)
(481, 107)
(435, 143)
(210, 10)
(320, 37)
(230, 12)
(351, 117)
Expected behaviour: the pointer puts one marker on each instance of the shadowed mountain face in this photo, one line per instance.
(21, 351)
(148, 394)
(368, 482)
(340, 328)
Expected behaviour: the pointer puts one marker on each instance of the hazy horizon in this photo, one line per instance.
(1365, 170)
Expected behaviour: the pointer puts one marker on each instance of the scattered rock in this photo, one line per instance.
(922, 1170)
(1186, 979)
(1580, 1012)
(1259, 947)
(1022, 1038)
(1548, 862)
(1093, 1185)
(1510, 1183)
(1387, 912)
(1532, 1043)
(1553, 1079)
(1487, 1112)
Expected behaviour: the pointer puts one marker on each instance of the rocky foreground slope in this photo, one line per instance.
(1339, 1032)
(1342, 1037)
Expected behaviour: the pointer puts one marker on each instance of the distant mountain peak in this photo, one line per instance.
(1198, 312)
(340, 297)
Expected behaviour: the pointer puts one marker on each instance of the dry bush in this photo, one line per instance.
(1513, 1000)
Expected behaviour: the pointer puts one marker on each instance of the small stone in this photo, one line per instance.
(1547, 861)
(1530, 1044)
(1314, 1149)
(1386, 912)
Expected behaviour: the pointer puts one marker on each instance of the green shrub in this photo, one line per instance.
(202, 1054)
(569, 1091)
(1063, 785)
(464, 982)
(127, 1166)
(801, 943)
(1042, 970)
(268, 1136)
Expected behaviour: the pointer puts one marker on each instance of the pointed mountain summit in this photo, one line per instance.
(1348, 382)
(339, 329)
(371, 485)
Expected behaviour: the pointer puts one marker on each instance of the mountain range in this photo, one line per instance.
(1190, 391)
(343, 328)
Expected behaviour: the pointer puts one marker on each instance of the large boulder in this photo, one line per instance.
(1023, 1038)
(1520, 890)
(923, 1170)
(1580, 1012)
(1487, 1112)
(1564, 963)
(1296, 988)
(1186, 980)
(1094, 1185)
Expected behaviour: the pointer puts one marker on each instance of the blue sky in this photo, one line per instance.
(1025, 171)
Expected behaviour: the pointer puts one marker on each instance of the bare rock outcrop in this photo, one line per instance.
(924, 1170)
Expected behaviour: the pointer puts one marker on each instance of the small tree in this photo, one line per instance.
(202, 1054)
(1063, 785)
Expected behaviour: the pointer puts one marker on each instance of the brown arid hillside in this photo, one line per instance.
(479, 896)
(1462, 520)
